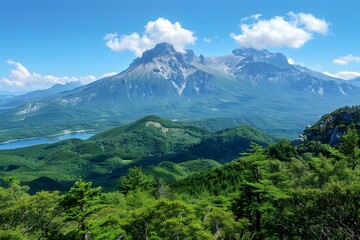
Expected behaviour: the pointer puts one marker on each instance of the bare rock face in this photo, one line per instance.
(299, 140)
(331, 127)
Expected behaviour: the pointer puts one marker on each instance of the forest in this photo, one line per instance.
(309, 191)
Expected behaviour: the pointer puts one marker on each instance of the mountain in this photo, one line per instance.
(355, 82)
(332, 126)
(39, 95)
(226, 144)
(107, 155)
(254, 87)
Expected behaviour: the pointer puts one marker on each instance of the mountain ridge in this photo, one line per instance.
(248, 84)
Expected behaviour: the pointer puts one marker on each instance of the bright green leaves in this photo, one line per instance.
(79, 203)
(135, 179)
(167, 219)
(350, 147)
(258, 191)
(23, 215)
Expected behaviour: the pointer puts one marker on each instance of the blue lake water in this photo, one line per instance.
(35, 141)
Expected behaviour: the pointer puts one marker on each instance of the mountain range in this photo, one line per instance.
(39, 95)
(249, 86)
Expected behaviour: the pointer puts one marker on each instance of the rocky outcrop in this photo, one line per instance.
(331, 127)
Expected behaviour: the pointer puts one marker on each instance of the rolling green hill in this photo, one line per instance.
(107, 155)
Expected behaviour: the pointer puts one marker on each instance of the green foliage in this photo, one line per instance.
(11, 235)
(24, 216)
(331, 212)
(283, 150)
(258, 190)
(310, 191)
(79, 203)
(135, 179)
(350, 147)
(166, 220)
(108, 154)
(222, 224)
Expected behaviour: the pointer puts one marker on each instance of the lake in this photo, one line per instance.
(35, 141)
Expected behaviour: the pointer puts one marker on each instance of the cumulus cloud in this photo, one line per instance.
(21, 79)
(309, 22)
(160, 30)
(292, 31)
(344, 60)
(346, 75)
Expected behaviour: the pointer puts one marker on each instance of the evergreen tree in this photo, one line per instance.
(258, 191)
(79, 203)
(135, 179)
(350, 147)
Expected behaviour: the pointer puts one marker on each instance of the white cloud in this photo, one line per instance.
(161, 30)
(110, 74)
(309, 22)
(346, 75)
(340, 62)
(252, 17)
(344, 60)
(21, 79)
(208, 40)
(293, 31)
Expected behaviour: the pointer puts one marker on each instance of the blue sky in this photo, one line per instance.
(43, 42)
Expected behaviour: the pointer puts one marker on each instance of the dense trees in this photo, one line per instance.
(78, 204)
(24, 216)
(282, 192)
(135, 179)
(350, 147)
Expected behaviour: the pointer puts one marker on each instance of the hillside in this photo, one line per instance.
(108, 155)
(293, 192)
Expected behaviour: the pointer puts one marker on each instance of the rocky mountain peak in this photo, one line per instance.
(254, 55)
(163, 51)
(160, 49)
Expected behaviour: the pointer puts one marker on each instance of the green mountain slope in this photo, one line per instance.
(109, 154)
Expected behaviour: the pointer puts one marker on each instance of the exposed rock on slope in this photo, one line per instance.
(331, 126)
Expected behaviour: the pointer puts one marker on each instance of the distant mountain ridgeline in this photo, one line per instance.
(256, 87)
(39, 95)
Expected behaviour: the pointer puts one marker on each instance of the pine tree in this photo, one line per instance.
(79, 203)
(350, 147)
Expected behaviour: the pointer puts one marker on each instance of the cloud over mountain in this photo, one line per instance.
(344, 60)
(346, 75)
(21, 79)
(160, 30)
(292, 31)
